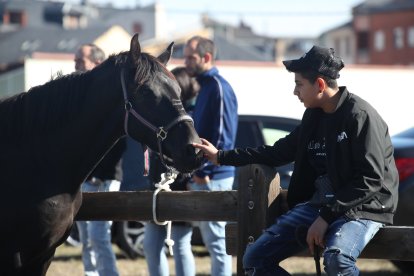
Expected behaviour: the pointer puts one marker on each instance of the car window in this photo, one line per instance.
(255, 131)
(271, 135)
(274, 130)
(259, 130)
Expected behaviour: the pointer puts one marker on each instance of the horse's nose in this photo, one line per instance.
(190, 150)
(195, 154)
(199, 153)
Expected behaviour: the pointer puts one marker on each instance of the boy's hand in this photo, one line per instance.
(316, 234)
(210, 152)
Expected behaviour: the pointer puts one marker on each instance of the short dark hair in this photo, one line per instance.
(97, 54)
(311, 76)
(204, 45)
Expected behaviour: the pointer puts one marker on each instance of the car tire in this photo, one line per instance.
(130, 238)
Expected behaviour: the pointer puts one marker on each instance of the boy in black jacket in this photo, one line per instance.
(344, 186)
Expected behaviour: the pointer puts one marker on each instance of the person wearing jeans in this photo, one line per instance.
(283, 239)
(344, 185)
(154, 248)
(95, 236)
(215, 118)
(213, 232)
(97, 255)
(181, 232)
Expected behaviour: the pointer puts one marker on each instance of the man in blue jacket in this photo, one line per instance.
(215, 118)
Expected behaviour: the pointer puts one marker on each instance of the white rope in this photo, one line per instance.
(164, 185)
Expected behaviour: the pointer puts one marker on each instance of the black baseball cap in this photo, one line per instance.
(319, 59)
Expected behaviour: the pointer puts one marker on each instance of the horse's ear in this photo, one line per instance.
(166, 55)
(135, 50)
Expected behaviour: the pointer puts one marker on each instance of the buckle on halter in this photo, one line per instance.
(162, 134)
(128, 106)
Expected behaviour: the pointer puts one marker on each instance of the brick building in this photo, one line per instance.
(384, 32)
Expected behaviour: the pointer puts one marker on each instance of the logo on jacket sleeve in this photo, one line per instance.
(342, 136)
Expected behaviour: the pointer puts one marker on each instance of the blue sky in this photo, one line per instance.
(268, 17)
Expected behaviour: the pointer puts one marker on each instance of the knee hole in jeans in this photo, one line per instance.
(335, 262)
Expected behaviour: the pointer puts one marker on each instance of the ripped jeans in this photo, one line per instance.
(345, 239)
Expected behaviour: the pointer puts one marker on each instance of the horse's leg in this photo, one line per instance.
(40, 266)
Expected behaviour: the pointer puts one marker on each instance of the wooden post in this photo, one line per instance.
(259, 185)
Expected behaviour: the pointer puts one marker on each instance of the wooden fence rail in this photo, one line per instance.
(250, 209)
(182, 206)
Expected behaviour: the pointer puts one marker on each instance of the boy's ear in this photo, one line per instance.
(321, 84)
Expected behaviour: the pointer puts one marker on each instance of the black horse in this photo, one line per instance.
(52, 137)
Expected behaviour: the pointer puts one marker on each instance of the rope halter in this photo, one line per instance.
(166, 179)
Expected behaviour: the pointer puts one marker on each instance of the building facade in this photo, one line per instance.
(384, 32)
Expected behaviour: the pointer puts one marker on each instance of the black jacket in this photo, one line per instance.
(360, 161)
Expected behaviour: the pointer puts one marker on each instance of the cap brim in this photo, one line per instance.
(292, 65)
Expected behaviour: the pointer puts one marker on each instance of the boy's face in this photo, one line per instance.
(308, 93)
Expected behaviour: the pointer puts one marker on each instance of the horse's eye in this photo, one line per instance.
(144, 91)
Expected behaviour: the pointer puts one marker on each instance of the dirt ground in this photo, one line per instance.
(67, 262)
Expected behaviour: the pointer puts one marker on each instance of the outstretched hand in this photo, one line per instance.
(210, 151)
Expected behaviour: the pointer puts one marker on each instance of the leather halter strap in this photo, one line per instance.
(161, 132)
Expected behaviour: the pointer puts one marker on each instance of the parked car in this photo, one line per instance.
(253, 130)
(404, 158)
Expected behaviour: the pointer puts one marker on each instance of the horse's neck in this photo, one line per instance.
(99, 124)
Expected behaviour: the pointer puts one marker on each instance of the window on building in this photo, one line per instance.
(379, 41)
(16, 17)
(363, 41)
(410, 37)
(398, 38)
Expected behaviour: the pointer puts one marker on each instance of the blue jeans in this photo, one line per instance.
(345, 239)
(213, 232)
(154, 249)
(97, 255)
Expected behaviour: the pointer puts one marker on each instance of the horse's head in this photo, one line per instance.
(155, 114)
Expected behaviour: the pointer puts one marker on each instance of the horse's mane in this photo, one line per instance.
(49, 106)
(42, 108)
(147, 66)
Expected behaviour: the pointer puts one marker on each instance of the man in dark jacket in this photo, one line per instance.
(344, 186)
